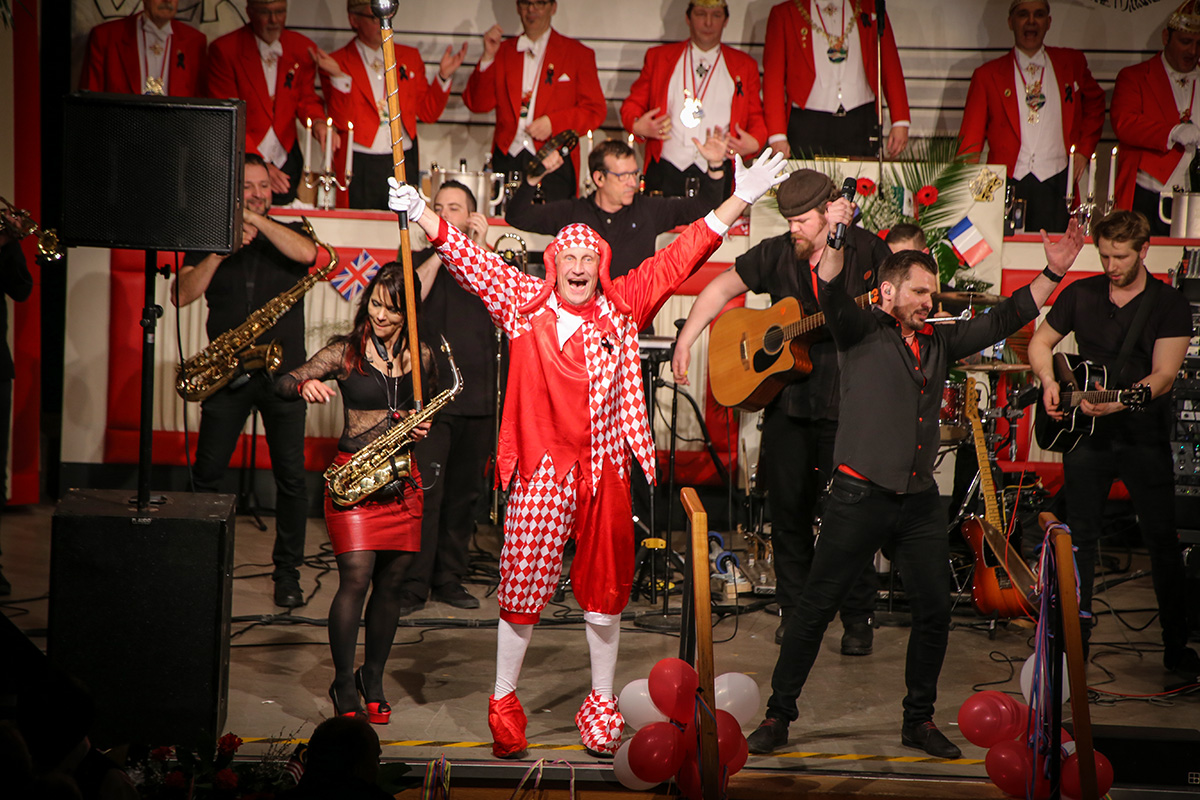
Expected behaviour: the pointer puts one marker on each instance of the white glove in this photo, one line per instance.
(1185, 134)
(752, 182)
(402, 197)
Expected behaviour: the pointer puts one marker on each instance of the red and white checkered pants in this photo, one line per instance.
(542, 514)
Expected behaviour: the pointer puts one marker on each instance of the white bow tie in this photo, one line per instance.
(527, 45)
(270, 52)
(154, 32)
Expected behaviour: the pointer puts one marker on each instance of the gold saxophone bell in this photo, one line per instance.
(18, 223)
(520, 260)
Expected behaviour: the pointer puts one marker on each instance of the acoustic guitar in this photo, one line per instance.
(754, 353)
(1003, 584)
(1074, 372)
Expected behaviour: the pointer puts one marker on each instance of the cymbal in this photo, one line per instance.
(971, 298)
(993, 366)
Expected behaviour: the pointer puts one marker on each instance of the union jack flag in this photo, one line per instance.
(352, 279)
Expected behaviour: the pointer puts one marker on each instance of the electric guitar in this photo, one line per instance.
(1003, 583)
(754, 353)
(1074, 372)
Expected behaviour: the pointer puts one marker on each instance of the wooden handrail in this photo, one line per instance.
(710, 775)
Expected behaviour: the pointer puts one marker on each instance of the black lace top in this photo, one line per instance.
(366, 394)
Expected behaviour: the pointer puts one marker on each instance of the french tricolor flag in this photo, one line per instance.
(969, 242)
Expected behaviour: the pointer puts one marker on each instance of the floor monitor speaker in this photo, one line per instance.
(152, 173)
(140, 611)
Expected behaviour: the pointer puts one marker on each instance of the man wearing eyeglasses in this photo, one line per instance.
(539, 84)
(690, 86)
(629, 221)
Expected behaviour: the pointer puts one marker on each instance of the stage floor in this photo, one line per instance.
(441, 670)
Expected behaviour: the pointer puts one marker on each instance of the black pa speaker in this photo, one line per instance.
(139, 611)
(152, 173)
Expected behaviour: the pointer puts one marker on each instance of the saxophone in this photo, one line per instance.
(234, 353)
(381, 462)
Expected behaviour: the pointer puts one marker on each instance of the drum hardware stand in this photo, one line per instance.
(247, 499)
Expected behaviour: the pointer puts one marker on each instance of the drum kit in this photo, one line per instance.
(952, 419)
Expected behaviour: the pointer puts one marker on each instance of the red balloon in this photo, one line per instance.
(673, 683)
(656, 752)
(739, 759)
(1070, 775)
(1018, 727)
(1007, 765)
(985, 717)
(730, 738)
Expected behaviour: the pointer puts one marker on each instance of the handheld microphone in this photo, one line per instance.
(838, 237)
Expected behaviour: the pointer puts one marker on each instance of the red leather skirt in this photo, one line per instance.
(391, 524)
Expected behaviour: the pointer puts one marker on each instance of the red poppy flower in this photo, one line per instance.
(226, 780)
(175, 779)
(927, 195)
(883, 234)
(866, 187)
(160, 754)
(228, 744)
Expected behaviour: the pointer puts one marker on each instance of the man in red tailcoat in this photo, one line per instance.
(688, 89)
(820, 76)
(1154, 116)
(145, 53)
(539, 84)
(1031, 105)
(272, 69)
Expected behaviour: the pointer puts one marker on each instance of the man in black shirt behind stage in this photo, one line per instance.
(883, 492)
(798, 426)
(627, 220)
(453, 457)
(1132, 446)
(273, 257)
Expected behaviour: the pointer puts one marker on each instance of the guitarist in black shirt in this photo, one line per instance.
(1103, 313)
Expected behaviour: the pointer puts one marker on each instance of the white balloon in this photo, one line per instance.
(1027, 679)
(624, 774)
(738, 694)
(636, 706)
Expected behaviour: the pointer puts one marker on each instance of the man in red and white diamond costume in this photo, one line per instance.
(574, 413)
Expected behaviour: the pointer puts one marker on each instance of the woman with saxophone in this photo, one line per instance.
(376, 539)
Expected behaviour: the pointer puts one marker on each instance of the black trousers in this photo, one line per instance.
(557, 185)
(860, 519)
(6, 388)
(453, 461)
(369, 186)
(294, 169)
(1146, 202)
(1045, 202)
(1146, 469)
(823, 133)
(222, 417)
(669, 180)
(797, 461)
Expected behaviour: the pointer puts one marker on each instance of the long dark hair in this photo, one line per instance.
(391, 277)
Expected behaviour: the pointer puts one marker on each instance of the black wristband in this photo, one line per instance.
(1054, 276)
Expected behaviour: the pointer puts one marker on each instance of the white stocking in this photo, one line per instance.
(511, 643)
(603, 641)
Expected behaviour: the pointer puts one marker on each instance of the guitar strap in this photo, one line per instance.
(1149, 296)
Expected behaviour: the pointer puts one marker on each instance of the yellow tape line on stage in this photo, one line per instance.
(533, 746)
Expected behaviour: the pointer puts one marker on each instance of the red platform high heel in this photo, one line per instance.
(379, 713)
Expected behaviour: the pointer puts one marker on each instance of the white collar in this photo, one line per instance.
(1038, 59)
(161, 34)
(1174, 74)
(567, 323)
(535, 47)
(704, 55)
(369, 55)
(266, 51)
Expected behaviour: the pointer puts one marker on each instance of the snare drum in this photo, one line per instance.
(952, 421)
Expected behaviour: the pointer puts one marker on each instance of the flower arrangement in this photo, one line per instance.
(210, 772)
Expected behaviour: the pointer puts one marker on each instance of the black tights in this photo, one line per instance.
(357, 571)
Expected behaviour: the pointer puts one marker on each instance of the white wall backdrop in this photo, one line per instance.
(940, 43)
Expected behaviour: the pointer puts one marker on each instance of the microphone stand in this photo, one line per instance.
(880, 26)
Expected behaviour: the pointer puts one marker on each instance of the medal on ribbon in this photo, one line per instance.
(837, 51)
(154, 86)
(1035, 98)
(692, 111)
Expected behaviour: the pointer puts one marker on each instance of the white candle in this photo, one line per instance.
(1092, 177)
(350, 151)
(328, 145)
(308, 145)
(1071, 174)
(631, 140)
(1112, 175)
